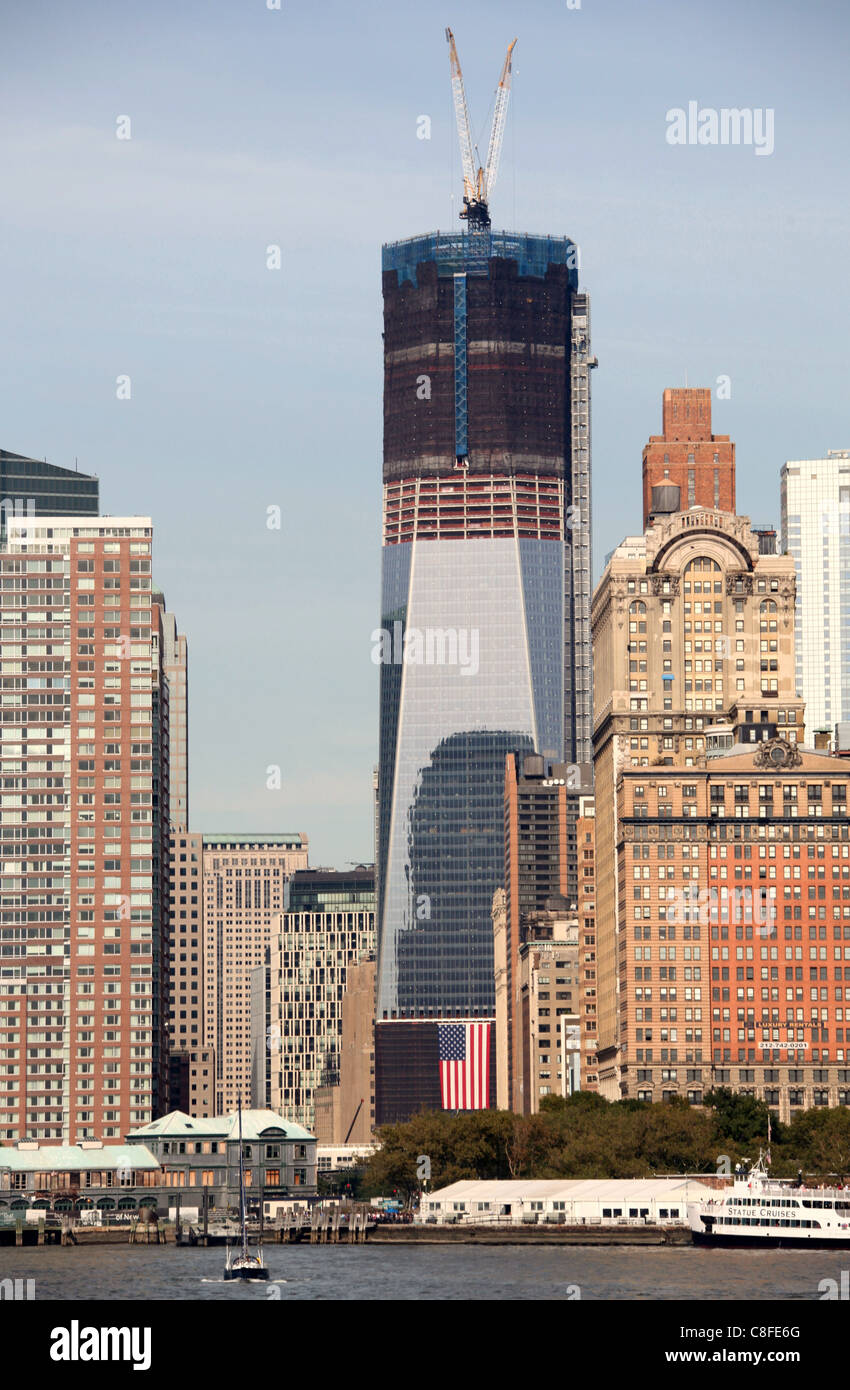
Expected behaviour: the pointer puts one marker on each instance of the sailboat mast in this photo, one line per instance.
(242, 1185)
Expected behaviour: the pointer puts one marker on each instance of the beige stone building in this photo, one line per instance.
(586, 915)
(545, 997)
(502, 980)
(692, 628)
(244, 882)
(346, 1113)
(175, 659)
(548, 1000)
(721, 842)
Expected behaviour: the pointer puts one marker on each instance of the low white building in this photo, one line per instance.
(331, 1157)
(576, 1202)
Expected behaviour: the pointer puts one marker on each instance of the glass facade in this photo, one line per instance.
(485, 622)
(317, 890)
(447, 726)
(328, 927)
(31, 487)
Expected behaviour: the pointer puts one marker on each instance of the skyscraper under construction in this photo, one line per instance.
(484, 642)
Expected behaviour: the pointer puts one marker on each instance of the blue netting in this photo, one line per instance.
(469, 252)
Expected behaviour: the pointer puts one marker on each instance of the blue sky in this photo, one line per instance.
(250, 387)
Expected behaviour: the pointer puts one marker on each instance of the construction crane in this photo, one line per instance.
(353, 1122)
(478, 184)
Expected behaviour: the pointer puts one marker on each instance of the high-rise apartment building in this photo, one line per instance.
(816, 532)
(686, 465)
(191, 1061)
(244, 883)
(484, 638)
(83, 833)
(328, 927)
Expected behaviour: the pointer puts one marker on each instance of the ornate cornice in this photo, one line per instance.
(777, 753)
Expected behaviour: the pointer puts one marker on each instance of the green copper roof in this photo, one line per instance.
(296, 838)
(70, 1158)
(256, 1124)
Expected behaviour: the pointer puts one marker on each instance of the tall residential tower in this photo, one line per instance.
(816, 531)
(83, 833)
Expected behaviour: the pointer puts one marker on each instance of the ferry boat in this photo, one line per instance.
(760, 1210)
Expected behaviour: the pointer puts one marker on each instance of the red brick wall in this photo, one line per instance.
(686, 415)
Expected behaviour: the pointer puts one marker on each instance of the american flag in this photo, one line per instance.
(465, 1065)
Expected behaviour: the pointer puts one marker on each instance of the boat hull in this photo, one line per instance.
(245, 1272)
(730, 1242)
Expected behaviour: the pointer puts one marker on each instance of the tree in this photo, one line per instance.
(528, 1145)
(818, 1141)
(470, 1145)
(738, 1120)
(675, 1138)
(342, 1182)
(587, 1100)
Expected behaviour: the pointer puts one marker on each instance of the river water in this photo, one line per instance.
(376, 1272)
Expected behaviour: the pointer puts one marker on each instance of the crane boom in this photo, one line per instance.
(497, 133)
(478, 183)
(462, 118)
(353, 1122)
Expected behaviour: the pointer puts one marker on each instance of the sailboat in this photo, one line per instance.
(244, 1265)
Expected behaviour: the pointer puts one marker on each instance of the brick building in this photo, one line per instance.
(543, 802)
(686, 465)
(733, 929)
(84, 836)
(693, 633)
(586, 915)
(547, 1031)
(723, 905)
